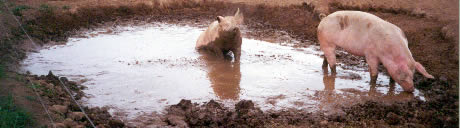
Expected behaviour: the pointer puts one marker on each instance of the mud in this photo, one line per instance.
(64, 111)
(431, 113)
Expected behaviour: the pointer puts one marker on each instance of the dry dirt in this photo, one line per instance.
(431, 27)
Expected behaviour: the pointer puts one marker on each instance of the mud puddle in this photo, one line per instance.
(142, 69)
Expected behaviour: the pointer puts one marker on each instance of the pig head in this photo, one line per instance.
(403, 72)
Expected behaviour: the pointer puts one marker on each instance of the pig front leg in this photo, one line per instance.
(218, 52)
(237, 54)
(392, 81)
(373, 63)
(325, 65)
(329, 54)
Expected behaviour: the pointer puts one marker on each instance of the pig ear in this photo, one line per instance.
(401, 75)
(237, 12)
(422, 70)
(238, 17)
(219, 19)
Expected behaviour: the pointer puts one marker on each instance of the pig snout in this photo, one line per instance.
(407, 86)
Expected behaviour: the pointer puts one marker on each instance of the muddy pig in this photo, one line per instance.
(222, 36)
(379, 41)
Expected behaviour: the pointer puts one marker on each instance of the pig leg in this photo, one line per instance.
(237, 54)
(218, 52)
(392, 81)
(329, 53)
(325, 65)
(372, 90)
(373, 63)
(391, 91)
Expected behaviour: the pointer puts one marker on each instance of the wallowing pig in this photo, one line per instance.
(222, 36)
(379, 41)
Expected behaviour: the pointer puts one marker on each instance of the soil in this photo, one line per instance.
(430, 26)
(63, 110)
(368, 114)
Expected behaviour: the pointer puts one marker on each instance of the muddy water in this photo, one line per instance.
(142, 69)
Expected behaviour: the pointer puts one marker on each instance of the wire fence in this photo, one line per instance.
(59, 78)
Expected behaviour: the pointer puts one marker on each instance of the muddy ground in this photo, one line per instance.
(63, 111)
(433, 41)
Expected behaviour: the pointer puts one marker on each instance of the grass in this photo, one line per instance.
(17, 9)
(34, 86)
(2, 71)
(19, 77)
(46, 8)
(12, 116)
(30, 98)
(3, 5)
(66, 7)
(50, 92)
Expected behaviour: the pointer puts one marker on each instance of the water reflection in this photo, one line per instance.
(329, 87)
(329, 82)
(224, 75)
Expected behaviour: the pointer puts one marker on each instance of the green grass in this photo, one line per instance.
(50, 92)
(17, 9)
(31, 98)
(66, 7)
(19, 77)
(34, 86)
(12, 116)
(3, 5)
(45, 8)
(2, 71)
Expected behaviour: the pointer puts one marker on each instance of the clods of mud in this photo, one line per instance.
(63, 111)
(142, 69)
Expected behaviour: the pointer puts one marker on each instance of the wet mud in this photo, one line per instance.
(63, 110)
(368, 114)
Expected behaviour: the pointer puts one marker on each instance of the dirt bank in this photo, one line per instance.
(63, 110)
(413, 113)
(433, 40)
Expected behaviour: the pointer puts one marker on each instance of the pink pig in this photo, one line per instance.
(222, 36)
(364, 34)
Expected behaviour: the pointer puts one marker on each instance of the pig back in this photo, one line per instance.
(207, 36)
(356, 31)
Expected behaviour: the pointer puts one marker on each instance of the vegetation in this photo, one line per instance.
(2, 71)
(17, 9)
(66, 7)
(12, 116)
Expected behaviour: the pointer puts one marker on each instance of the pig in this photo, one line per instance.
(363, 34)
(222, 36)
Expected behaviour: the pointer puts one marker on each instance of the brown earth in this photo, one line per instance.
(431, 27)
(62, 109)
